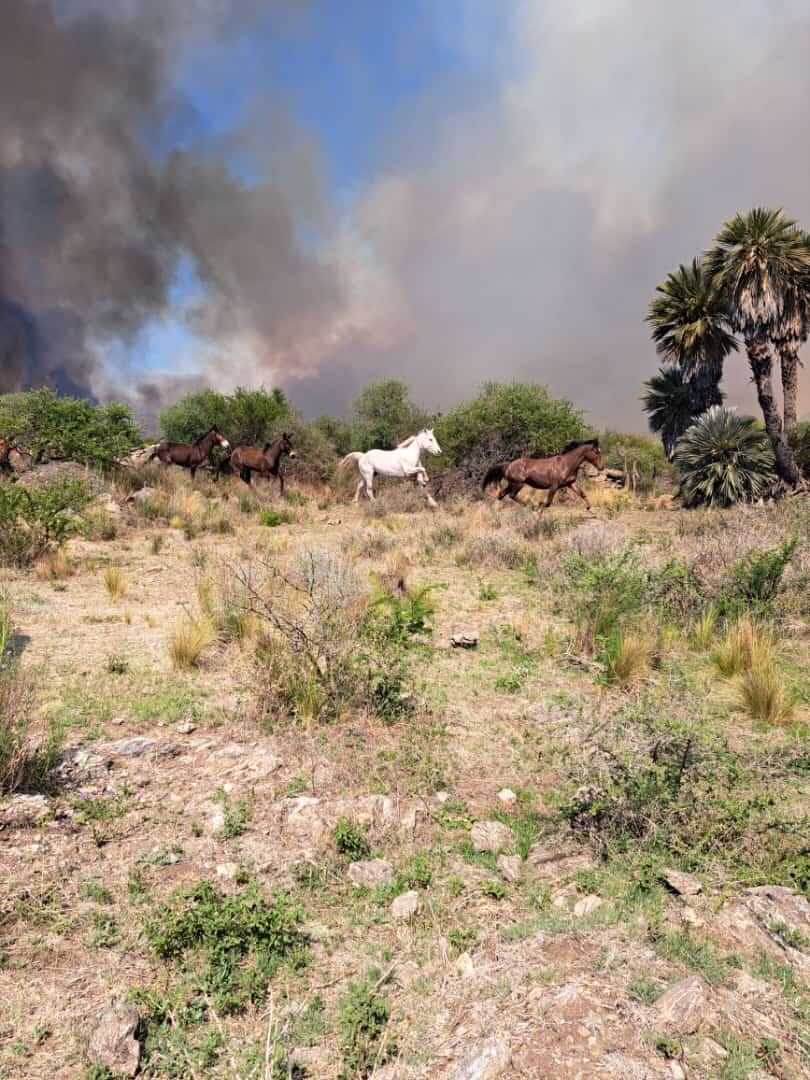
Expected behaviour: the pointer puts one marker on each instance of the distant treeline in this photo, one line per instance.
(501, 420)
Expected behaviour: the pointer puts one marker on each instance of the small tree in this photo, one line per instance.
(510, 418)
(49, 425)
(668, 403)
(384, 415)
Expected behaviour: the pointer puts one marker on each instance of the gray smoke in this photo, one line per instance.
(93, 224)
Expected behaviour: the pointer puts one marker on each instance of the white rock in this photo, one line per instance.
(406, 905)
(228, 870)
(113, 1042)
(507, 796)
(185, 727)
(371, 872)
(683, 1008)
(510, 867)
(682, 884)
(464, 966)
(491, 836)
(485, 1061)
(587, 905)
(23, 810)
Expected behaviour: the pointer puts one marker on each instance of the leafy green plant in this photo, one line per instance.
(401, 618)
(236, 816)
(239, 939)
(273, 518)
(363, 1017)
(495, 890)
(755, 581)
(350, 839)
(32, 521)
(723, 459)
(487, 591)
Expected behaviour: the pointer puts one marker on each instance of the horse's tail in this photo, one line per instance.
(494, 474)
(154, 454)
(354, 456)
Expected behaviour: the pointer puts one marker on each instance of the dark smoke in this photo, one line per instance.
(93, 224)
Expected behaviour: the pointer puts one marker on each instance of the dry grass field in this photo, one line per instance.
(264, 737)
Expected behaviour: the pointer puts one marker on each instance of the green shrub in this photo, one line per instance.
(47, 424)
(273, 518)
(363, 1016)
(723, 459)
(32, 521)
(605, 594)
(239, 940)
(510, 418)
(756, 580)
(351, 839)
(248, 417)
(384, 415)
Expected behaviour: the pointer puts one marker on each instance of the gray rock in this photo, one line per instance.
(146, 494)
(406, 905)
(510, 867)
(185, 727)
(371, 872)
(682, 884)
(464, 639)
(113, 1043)
(485, 1061)
(80, 762)
(139, 745)
(683, 1008)
(552, 860)
(23, 810)
(587, 905)
(491, 836)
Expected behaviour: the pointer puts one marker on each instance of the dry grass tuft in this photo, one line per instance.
(760, 693)
(188, 639)
(628, 660)
(703, 630)
(115, 582)
(744, 645)
(54, 566)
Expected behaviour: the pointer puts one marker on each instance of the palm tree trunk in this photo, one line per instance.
(761, 360)
(789, 359)
(704, 387)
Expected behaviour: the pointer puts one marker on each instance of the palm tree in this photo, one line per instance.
(690, 328)
(793, 331)
(723, 459)
(669, 403)
(759, 257)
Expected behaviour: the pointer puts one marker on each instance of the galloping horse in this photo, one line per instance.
(404, 463)
(189, 455)
(549, 474)
(266, 460)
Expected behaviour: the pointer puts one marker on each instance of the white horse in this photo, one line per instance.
(403, 463)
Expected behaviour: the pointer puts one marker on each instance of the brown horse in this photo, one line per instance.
(189, 455)
(265, 460)
(550, 474)
(6, 446)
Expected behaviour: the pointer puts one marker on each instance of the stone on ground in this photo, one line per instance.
(371, 872)
(113, 1043)
(491, 836)
(683, 1008)
(406, 905)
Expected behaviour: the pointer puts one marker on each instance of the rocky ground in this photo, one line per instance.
(455, 916)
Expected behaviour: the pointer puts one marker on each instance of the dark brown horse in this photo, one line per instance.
(189, 455)
(549, 474)
(265, 460)
(6, 446)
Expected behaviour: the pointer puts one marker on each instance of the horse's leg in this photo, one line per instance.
(584, 498)
(244, 475)
(193, 469)
(280, 477)
(552, 491)
(368, 481)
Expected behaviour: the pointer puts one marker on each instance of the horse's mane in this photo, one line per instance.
(575, 443)
(205, 435)
(406, 442)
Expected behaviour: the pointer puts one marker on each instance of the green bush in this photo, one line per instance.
(350, 839)
(640, 455)
(273, 518)
(239, 940)
(46, 424)
(605, 594)
(756, 580)
(34, 520)
(363, 1015)
(516, 417)
(384, 415)
(247, 417)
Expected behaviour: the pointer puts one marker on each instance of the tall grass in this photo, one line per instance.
(115, 582)
(627, 659)
(188, 639)
(745, 644)
(746, 659)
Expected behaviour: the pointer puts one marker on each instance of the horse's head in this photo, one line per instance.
(594, 455)
(427, 441)
(219, 437)
(287, 446)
